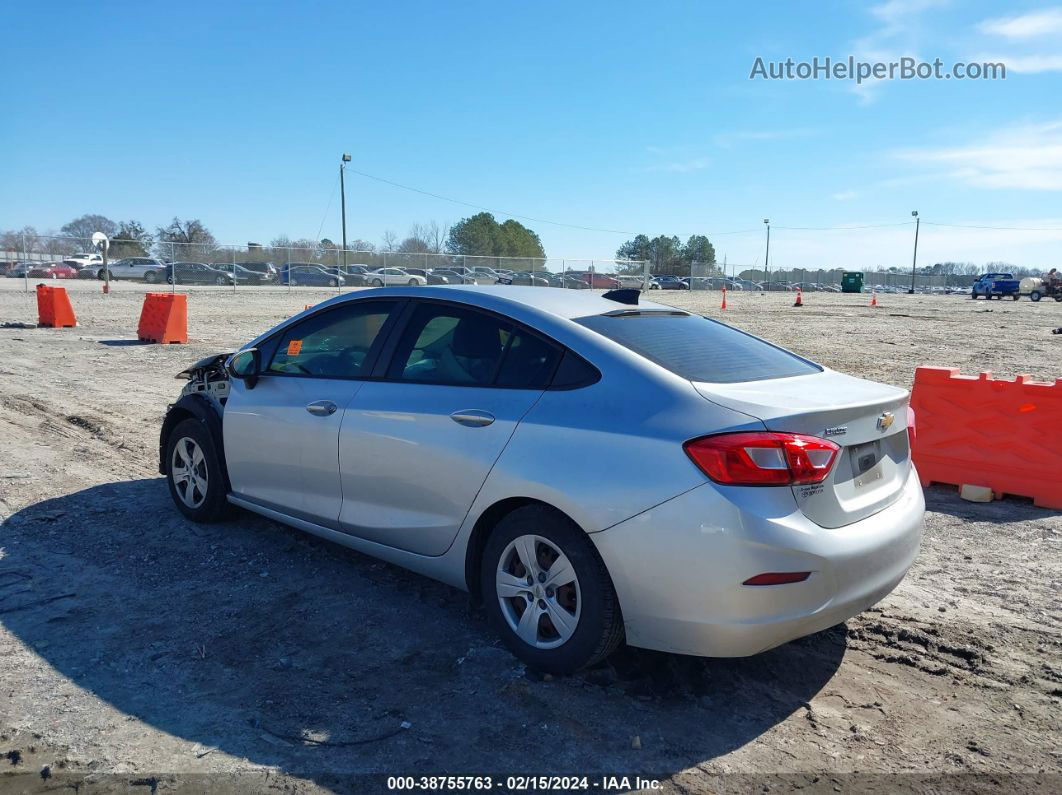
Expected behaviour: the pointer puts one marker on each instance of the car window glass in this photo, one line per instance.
(698, 348)
(448, 345)
(529, 362)
(333, 344)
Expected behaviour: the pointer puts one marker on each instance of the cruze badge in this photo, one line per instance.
(885, 421)
(837, 431)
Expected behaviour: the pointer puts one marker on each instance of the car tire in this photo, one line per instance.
(377, 283)
(1035, 295)
(151, 277)
(412, 282)
(1015, 296)
(104, 275)
(594, 629)
(200, 496)
(333, 283)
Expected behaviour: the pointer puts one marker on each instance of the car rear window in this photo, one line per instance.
(698, 348)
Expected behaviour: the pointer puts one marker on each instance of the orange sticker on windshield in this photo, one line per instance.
(294, 347)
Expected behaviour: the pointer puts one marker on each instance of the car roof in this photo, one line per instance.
(562, 303)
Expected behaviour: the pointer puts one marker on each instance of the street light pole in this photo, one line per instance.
(767, 255)
(914, 259)
(343, 204)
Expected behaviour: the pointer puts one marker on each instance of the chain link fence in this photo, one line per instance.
(178, 265)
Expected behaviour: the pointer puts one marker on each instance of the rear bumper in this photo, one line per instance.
(678, 568)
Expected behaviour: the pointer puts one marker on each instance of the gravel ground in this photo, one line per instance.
(139, 649)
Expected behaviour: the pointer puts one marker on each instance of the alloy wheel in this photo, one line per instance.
(189, 472)
(538, 591)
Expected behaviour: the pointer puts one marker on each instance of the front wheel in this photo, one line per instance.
(219, 281)
(412, 282)
(1015, 296)
(377, 282)
(151, 277)
(547, 593)
(193, 472)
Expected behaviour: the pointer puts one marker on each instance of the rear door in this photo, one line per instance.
(416, 446)
(282, 435)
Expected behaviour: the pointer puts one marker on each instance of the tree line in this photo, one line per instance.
(479, 235)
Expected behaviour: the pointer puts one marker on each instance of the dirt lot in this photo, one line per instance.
(138, 650)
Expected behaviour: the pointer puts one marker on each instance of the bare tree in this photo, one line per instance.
(390, 240)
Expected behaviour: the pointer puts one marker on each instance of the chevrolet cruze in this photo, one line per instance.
(592, 468)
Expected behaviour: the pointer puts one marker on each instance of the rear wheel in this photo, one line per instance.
(104, 275)
(333, 283)
(219, 281)
(151, 277)
(547, 593)
(193, 472)
(377, 282)
(1015, 296)
(1036, 295)
(412, 282)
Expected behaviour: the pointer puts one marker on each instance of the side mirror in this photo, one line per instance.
(245, 366)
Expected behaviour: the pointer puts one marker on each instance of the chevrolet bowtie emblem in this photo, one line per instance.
(885, 420)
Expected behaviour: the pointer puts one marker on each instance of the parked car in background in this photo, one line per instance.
(267, 270)
(456, 275)
(310, 274)
(20, 270)
(393, 277)
(6, 266)
(431, 276)
(149, 269)
(574, 281)
(523, 278)
(599, 281)
(84, 260)
(53, 270)
(667, 282)
(197, 273)
(238, 272)
(485, 275)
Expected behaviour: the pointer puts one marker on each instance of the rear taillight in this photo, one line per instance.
(912, 428)
(763, 458)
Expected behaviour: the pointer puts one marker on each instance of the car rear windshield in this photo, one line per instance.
(698, 348)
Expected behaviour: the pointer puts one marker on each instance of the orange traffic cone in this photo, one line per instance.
(800, 297)
(874, 298)
(724, 299)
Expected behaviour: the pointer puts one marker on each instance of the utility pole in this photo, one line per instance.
(343, 204)
(914, 259)
(767, 256)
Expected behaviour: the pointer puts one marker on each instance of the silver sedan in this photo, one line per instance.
(592, 468)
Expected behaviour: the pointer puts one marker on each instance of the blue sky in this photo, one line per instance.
(633, 117)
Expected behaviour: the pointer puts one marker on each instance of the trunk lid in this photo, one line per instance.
(868, 420)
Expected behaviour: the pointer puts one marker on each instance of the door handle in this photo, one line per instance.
(473, 418)
(322, 408)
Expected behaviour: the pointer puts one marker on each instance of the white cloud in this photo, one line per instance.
(1027, 157)
(846, 195)
(1025, 26)
(1027, 64)
(896, 37)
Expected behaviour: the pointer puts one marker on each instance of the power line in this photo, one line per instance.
(329, 207)
(1001, 228)
(843, 228)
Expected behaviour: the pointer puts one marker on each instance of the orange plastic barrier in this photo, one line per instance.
(53, 307)
(164, 318)
(983, 431)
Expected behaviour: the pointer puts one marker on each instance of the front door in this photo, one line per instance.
(282, 435)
